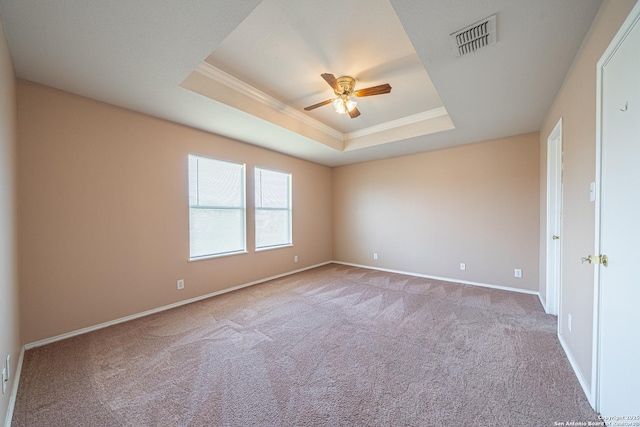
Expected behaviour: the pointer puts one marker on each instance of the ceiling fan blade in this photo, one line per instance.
(319, 104)
(375, 90)
(333, 82)
(354, 113)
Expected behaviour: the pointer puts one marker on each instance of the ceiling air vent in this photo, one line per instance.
(475, 36)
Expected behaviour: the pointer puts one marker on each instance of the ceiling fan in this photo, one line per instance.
(344, 87)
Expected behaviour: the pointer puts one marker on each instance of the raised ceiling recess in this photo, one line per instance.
(270, 67)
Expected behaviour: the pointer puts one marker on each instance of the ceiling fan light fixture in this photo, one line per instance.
(343, 104)
(344, 89)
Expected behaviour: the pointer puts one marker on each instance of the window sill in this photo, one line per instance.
(268, 248)
(218, 256)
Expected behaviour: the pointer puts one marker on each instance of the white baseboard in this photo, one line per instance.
(61, 337)
(543, 302)
(445, 279)
(163, 308)
(14, 389)
(583, 383)
(212, 294)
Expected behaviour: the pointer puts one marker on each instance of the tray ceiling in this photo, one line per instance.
(247, 69)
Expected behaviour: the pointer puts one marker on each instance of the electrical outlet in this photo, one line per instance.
(463, 266)
(5, 380)
(375, 255)
(518, 272)
(569, 322)
(295, 258)
(181, 284)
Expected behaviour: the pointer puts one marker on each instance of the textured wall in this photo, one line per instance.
(9, 319)
(104, 228)
(429, 212)
(576, 104)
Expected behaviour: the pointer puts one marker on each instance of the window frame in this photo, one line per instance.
(243, 208)
(289, 209)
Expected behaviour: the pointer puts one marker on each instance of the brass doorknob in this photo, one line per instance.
(596, 259)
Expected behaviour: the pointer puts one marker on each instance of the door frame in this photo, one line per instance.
(621, 35)
(554, 276)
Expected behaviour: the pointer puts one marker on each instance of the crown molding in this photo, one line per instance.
(238, 85)
(228, 80)
(393, 124)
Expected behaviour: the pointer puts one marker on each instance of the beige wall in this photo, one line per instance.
(426, 213)
(9, 319)
(103, 218)
(103, 215)
(576, 104)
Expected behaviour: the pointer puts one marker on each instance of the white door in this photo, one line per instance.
(619, 285)
(554, 218)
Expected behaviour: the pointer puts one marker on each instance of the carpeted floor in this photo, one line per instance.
(332, 346)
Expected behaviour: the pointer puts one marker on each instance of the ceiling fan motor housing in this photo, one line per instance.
(347, 84)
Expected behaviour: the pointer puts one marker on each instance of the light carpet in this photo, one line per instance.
(331, 346)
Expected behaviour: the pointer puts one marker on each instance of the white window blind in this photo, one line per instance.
(216, 207)
(273, 208)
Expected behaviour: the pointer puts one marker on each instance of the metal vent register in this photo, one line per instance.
(475, 36)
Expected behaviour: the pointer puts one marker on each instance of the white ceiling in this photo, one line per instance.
(300, 40)
(258, 64)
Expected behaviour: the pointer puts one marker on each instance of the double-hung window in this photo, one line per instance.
(217, 224)
(273, 208)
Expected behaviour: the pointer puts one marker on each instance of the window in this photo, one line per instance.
(273, 208)
(216, 207)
